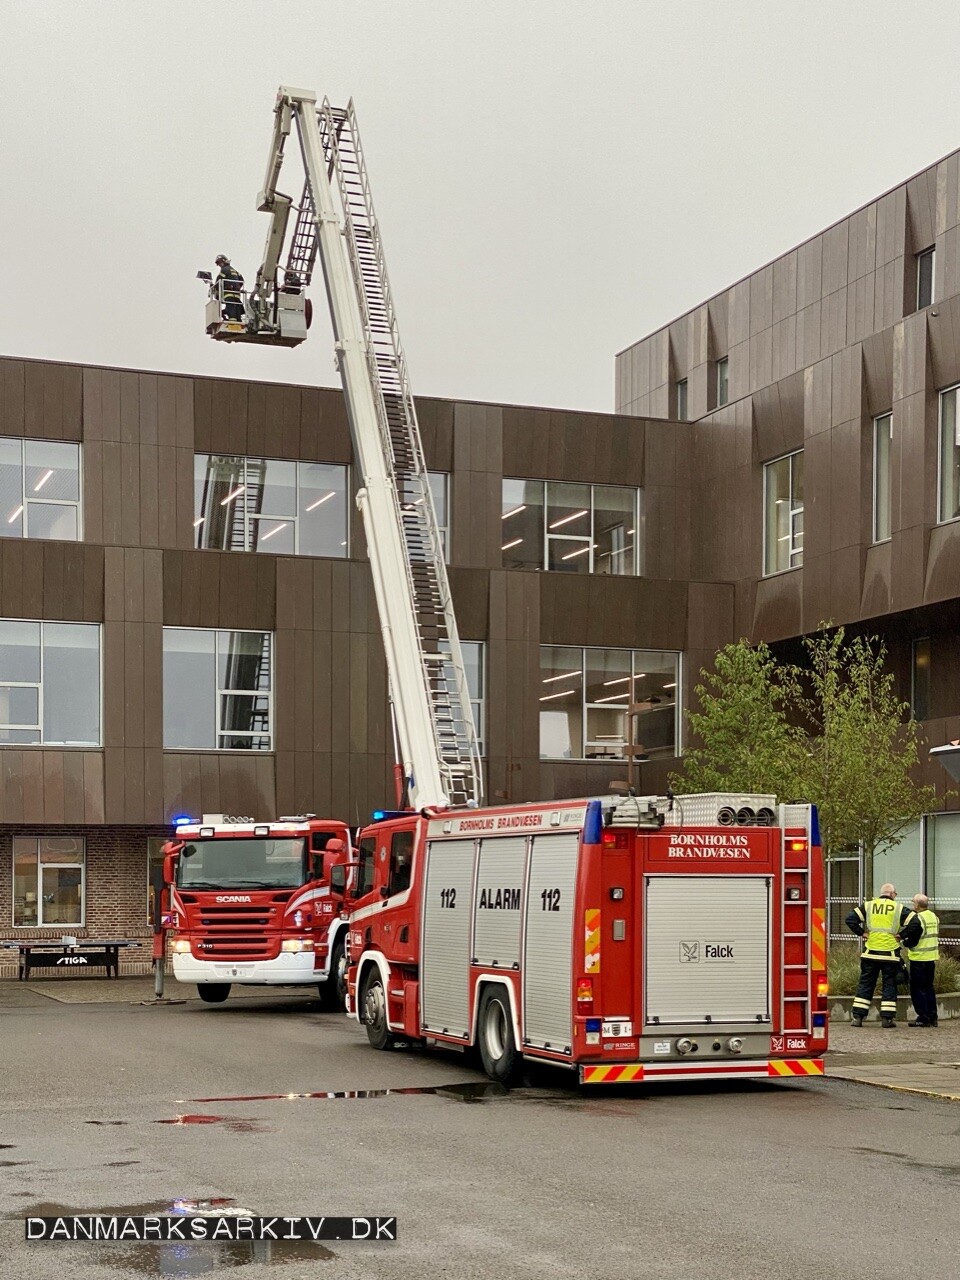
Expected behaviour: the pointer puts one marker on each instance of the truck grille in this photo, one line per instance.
(237, 946)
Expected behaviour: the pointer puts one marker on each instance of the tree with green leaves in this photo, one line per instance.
(746, 739)
(834, 734)
(862, 747)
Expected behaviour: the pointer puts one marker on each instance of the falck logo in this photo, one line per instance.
(689, 952)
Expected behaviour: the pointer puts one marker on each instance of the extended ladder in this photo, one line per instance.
(336, 221)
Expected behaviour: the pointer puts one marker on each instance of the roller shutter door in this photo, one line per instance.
(445, 944)
(548, 944)
(496, 942)
(707, 949)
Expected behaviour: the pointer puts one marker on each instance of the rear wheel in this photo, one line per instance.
(213, 992)
(375, 1013)
(333, 992)
(495, 1038)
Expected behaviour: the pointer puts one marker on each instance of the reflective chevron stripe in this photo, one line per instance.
(591, 941)
(795, 1067)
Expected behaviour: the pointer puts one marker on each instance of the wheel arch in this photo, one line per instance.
(485, 980)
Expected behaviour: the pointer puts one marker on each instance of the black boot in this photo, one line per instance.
(920, 1023)
(856, 1021)
(888, 1024)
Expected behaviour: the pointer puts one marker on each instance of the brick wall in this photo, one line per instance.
(115, 891)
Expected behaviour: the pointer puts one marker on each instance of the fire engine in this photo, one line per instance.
(631, 939)
(251, 903)
(628, 938)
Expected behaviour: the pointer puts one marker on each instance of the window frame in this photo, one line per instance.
(250, 519)
(914, 682)
(57, 866)
(25, 501)
(585, 539)
(723, 381)
(928, 254)
(953, 390)
(794, 511)
(159, 841)
(219, 694)
(682, 401)
(39, 684)
(586, 707)
(880, 418)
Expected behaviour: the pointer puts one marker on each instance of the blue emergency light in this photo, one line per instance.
(182, 820)
(384, 815)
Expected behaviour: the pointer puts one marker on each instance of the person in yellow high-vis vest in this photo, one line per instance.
(923, 959)
(883, 924)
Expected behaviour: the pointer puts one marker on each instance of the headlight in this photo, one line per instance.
(296, 944)
(181, 946)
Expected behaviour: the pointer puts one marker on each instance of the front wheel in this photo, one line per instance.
(374, 1008)
(495, 1039)
(333, 992)
(213, 992)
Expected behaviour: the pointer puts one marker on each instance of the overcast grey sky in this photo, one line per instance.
(554, 179)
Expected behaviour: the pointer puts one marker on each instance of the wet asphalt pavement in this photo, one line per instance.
(124, 1108)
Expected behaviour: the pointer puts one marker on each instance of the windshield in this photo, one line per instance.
(241, 864)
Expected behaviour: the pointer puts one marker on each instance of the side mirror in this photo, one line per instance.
(338, 878)
(384, 891)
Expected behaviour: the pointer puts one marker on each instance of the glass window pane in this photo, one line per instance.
(53, 521)
(561, 702)
(11, 488)
(522, 524)
(218, 502)
(25, 885)
(62, 895)
(943, 873)
(71, 684)
(882, 430)
(243, 660)
(19, 706)
(607, 685)
(276, 537)
(920, 679)
(776, 476)
(949, 456)
(569, 555)
(925, 263)
(20, 652)
(655, 700)
(189, 688)
(900, 865)
(154, 861)
(614, 529)
(243, 742)
(26, 736)
(52, 470)
(568, 509)
(62, 850)
(323, 510)
(438, 491)
(723, 381)
(244, 712)
(271, 487)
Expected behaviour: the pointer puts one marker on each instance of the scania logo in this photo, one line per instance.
(233, 897)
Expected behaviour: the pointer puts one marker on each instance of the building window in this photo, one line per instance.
(570, 528)
(949, 504)
(39, 489)
(439, 492)
(154, 863)
(783, 508)
(271, 505)
(925, 261)
(586, 694)
(942, 882)
(50, 683)
(920, 679)
(882, 437)
(682, 399)
(48, 881)
(723, 381)
(474, 663)
(217, 690)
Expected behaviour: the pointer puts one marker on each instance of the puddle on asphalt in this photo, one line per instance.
(475, 1091)
(178, 1259)
(235, 1124)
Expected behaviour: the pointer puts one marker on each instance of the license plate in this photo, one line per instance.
(235, 971)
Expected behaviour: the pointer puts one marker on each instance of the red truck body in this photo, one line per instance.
(630, 940)
(251, 903)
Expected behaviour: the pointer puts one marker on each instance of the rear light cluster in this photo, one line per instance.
(585, 995)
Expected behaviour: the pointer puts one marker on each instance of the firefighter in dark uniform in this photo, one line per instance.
(884, 924)
(229, 284)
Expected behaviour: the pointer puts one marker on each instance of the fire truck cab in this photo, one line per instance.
(629, 939)
(252, 903)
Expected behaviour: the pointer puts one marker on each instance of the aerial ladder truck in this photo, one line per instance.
(628, 938)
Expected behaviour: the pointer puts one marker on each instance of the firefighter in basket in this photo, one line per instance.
(884, 924)
(229, 286)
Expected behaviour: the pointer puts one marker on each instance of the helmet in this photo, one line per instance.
(222, 260)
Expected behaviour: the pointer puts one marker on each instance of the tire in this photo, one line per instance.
(333, 992)
(495, 1039)
(213, 992)
(374, 1008)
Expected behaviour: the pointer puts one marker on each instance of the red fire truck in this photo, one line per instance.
(631, 939)
(251, 903)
